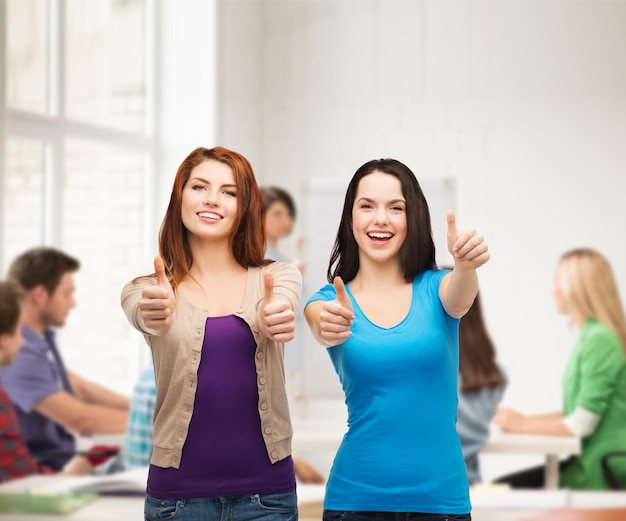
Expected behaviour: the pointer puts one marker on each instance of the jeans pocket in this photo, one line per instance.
(156, 509)
(281, 503)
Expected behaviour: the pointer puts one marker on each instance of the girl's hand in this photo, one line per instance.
(509, 420)
(275, 316)
(468, 248)
(157, 302)
(336, 317)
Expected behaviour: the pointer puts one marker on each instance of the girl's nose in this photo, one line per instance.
(381, 217)
(211, 198)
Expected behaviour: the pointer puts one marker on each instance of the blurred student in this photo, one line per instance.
(481, 386)
(15, 459)
(138, 441)
(216, 315)
(594, 382)
(280, 215)
(52, 402)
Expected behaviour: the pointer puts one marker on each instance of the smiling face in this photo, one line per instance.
(209, 201)
(379, 220)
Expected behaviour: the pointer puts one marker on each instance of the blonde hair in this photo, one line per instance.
(586, 279)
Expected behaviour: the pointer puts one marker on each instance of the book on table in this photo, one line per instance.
(128, 482)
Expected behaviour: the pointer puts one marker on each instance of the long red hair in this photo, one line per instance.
(248, 238)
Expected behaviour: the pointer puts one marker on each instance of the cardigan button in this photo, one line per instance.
(240, 311)
(255, 329)
(274, 455)
(262, 380)
(268, 430)
(264, 406)
(259, 355)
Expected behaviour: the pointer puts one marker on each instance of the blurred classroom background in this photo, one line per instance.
(513, 113)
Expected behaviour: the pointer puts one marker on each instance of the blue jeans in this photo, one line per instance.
(341, 515)
(264, 507)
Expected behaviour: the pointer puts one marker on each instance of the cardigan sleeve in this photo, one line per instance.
(287, 282)
(131, 294)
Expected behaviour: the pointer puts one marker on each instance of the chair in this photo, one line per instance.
(609, 472)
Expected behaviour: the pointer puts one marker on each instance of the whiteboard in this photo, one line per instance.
(323, 202)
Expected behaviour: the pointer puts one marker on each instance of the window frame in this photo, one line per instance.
(55, 127)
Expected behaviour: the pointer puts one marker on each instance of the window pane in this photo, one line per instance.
(102, 227)
(105, 80)
(22, 194)
(27, 50)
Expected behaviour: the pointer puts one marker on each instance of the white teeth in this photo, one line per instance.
(380, 235)
(210, 215)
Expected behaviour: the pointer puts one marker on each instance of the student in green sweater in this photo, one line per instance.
(594, 382)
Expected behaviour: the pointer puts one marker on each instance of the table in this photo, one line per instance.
(102, 509)
(511, 505)
(551, 446)
(327, 435)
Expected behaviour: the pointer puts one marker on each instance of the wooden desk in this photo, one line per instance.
(552, 447)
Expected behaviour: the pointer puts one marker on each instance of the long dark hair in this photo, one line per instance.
(477, 354)
(417, 254)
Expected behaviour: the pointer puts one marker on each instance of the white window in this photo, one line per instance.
(77, 146)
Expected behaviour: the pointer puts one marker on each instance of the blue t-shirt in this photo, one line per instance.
(401, 452)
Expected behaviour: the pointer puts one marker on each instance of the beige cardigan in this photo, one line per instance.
(176, 357)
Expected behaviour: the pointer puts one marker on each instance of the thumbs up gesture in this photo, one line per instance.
(468, 248)
(157, 302)
(336, 317)
(275, 317)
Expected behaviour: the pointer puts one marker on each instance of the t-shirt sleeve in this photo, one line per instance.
(602, 360)
(326, 293)
(30, 379)
(435, 277)
(433, 280)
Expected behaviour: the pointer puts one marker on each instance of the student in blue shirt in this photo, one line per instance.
(392, 335)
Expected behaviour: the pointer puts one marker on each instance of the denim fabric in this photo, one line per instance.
(257, 507)
(341, 515)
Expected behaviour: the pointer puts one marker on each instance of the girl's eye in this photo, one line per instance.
(198, 187)
(230, 193)
(366, 205)
(397, 208)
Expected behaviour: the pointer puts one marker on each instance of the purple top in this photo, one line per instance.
(224, 453)
(37, 373)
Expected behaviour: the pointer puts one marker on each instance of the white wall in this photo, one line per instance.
(522, 103)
